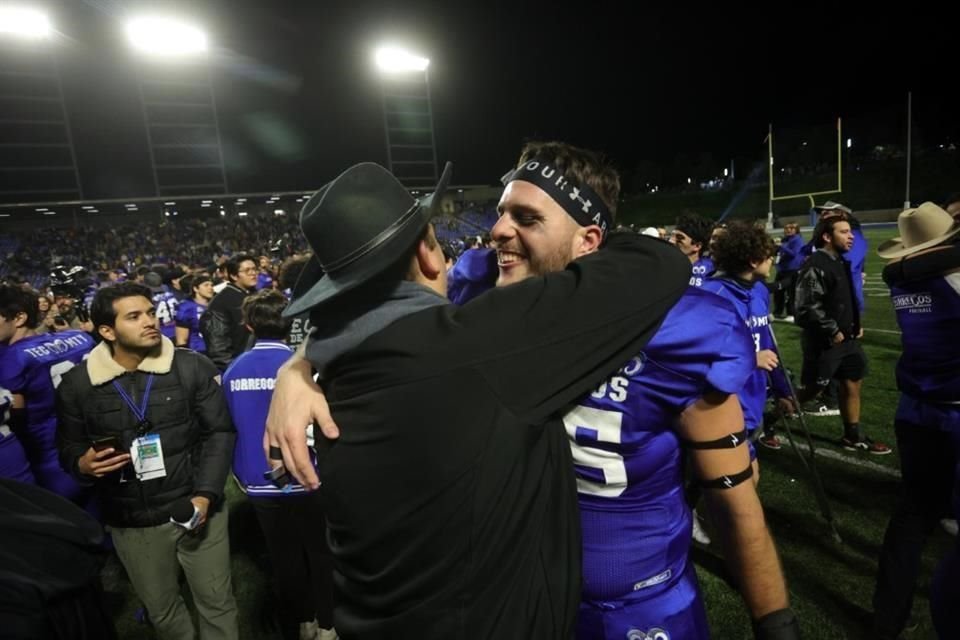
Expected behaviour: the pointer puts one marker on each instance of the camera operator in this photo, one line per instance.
(67, 286)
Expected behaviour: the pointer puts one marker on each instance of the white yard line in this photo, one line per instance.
(834, 455)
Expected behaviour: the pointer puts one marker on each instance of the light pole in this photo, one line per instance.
(407, 115)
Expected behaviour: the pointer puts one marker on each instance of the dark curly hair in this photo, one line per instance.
(695, 226)
(742, 244)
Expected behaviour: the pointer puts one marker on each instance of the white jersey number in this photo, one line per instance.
(57, 371)
(166, 311)
(605, 427)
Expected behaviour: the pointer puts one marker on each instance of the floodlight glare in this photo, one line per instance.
(165, 36)
(396, 60)
(24, 23)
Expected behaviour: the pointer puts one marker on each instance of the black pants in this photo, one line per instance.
(928, 461)
(783, 293)
(295, 529)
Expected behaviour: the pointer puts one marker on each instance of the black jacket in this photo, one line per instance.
(222, 326)
(450, 493)
(186, 408)
(825, 302)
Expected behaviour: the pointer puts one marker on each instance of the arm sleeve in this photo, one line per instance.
(810, 311)
(548, 340)
(215, 328)
(71, 434)
(217, 435)
(921, 266)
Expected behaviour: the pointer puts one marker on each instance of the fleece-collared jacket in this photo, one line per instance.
(186, 408)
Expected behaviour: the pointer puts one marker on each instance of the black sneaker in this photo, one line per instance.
(865, 444)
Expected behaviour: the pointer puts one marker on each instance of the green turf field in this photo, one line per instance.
(831, 584)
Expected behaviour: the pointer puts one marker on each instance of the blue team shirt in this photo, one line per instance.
(188, 317)
(13, 459)
(700, 270)
(166, 303)
(248, 385)
(33, 367)
(627, 456)
(928, 312)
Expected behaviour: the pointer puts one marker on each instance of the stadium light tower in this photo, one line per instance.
(407, 115)
(177, 98)
(36, 110)
(24, 22)
(166, 37)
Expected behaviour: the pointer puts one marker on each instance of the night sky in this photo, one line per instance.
(299, 99)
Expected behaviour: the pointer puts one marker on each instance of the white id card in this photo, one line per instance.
(146, 453)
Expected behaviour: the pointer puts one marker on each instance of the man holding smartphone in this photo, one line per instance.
(147, 425)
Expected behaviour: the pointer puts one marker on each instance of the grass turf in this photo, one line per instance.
(831, 585)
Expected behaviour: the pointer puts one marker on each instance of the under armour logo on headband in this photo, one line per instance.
(575, 195)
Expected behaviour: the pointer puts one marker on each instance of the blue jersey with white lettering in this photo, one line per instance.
(700, 270)
(188, 317)
(248, 385)
(636, 523)
(928, 312)
(166, 303)
(33, 367)
(13, 459)
(752, 301)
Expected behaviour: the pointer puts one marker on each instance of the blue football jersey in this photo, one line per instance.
(928, 312)
(627, 455)
(166, 303)
(13, 459)
(700, 270)
(188, 317)
(33, 367)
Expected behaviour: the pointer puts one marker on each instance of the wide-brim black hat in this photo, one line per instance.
(358, 225)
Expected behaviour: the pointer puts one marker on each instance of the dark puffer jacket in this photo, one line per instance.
(186, 408)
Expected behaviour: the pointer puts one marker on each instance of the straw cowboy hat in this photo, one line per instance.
(926, 226)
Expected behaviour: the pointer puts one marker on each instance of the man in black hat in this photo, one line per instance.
(450, 493)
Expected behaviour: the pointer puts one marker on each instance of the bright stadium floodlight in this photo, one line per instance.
(397, 60)
(165, 36)
(23, 22)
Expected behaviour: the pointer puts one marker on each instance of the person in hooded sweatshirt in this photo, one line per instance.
(744, 257)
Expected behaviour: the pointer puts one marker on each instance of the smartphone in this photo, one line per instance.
(108, 442)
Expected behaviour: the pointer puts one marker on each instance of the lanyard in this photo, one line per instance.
(141, 411)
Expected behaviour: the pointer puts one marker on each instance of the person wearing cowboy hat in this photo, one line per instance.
(826, 309)
(452, 509)
(927, 421)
